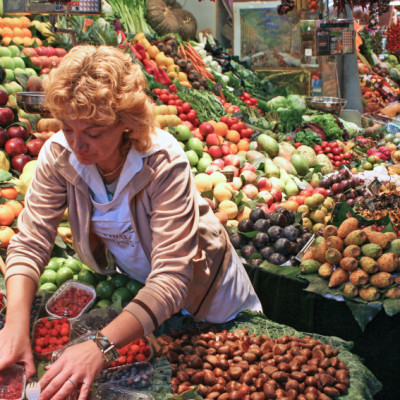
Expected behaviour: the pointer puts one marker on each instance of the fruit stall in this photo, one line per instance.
(309, 197)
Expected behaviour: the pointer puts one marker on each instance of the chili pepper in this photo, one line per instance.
(137, 55)
(165, 79)
(141, 50)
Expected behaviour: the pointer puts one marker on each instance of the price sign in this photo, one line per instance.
(229, 175)
(374, 186)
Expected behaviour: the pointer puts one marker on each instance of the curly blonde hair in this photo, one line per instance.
(102, 84)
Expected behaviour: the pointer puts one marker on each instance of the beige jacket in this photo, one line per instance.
(188, 248)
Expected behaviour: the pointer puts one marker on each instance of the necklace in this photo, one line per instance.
(106, 175)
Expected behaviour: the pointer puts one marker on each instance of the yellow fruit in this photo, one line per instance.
(4, 163)
(232, 223)
(223, 191)
(217, 177)
(203, 182)
(229, 207)
(307, 223)
(245, 213)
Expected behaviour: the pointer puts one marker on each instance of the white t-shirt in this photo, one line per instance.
(111, 221)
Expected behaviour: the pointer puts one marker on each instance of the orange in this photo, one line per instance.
(233, 136)
(234, 148)
(212, 122)
(25, 22)
(7, 214)
(6, 233)
(18, 32)
(7, 22)
(7, 32)
(17, 207)
(26, 32)
(1, 23)
(243, 145)
(27, 41)
(6, 40)
(9, 193)
(17, 40)
(221, 128)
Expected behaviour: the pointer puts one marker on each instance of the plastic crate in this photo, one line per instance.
(393, 127)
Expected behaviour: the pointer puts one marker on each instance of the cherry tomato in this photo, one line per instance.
(186, 107)
(334, 144)
(330, 155)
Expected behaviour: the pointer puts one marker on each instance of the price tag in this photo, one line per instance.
(306, 247)
(374, 186)
(229, 175)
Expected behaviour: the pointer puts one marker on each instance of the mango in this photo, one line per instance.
(369, 265)
(338, 277)
(349, 263)
(388, 262)
(359, 277)
(350, 290)
(333, 256)
(352, 251)
(347, 226)
(394, 247)
(334, 242)
(378, 238)
(393, 293)
(370, 293)
(357, 237)
(309, 266)
(371, 250)
(325, 270)
(381, 280)
(329, 230)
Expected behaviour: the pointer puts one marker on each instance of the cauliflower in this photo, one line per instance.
(324, 160)
(308, 153)
(297, 102)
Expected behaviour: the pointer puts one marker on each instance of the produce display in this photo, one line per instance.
(12, 383)
(233, 365)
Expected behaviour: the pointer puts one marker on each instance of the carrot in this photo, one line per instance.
(182, 51)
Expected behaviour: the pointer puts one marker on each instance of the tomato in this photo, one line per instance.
(174, 97)
(183, 116)
(320, 152)
(171, 102)
(225, 119)
(337, 158)
(317, 148)
(235, 127)
(186, 107)
(330, 155)
(324, 144)
(336, 163)
(191, 116)
(347, 155)
(179, 109)
(242, 125)
(245, 133)
(336, 151)
(328, 149)
(164, 98)
(334, 144)
(178, 102)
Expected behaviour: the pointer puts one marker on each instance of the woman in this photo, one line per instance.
(129, 192)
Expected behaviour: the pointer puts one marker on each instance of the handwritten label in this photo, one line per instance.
(229, 175)
(374, 186)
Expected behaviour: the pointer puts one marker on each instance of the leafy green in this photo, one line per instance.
(308, 137)
(297, 102)
(289, 119)
(277, 102)
(329, 124)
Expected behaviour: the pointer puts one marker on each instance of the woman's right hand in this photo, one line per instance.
(16, 348)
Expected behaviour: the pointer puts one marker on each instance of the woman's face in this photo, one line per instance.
(91, 143)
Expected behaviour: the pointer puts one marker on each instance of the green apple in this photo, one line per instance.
(9, 74)
(8, 88)
(5, 52)
(204, 163)
(19, 71)
(16, 86)
(196, 145)
(192, 157)
(19, 62)
(14, 50)
(30, 71)
(8, 62)
(182, 133)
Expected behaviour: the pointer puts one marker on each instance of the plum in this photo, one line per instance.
(256, 262)
(290, 232)
(248, 250)
(246, 225)
(279, 220)
(306, 236)
(238, 240)
(266, 252)
(262, 225)
(260, 240)
(293, 248)
(275, 233)
(282, 246)
(277, 259)
(256, 214)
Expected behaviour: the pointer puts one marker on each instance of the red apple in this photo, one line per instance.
(264, 184)
(250, 176)
(15, 146)
(3, 97)
(42, 51)
(273, 206)
(226, 149)
(215, 152)
(212, 168)
(60, 52)
(277, 194)
(6, 116)
(3, 137)
(307, 192)
(248, 166)
(322, 191)
(51, 51)
(29, 51)
(34, 146)
(232, 159)
(45, 61)
(266, 196)
(197, 134)
(17, 131)
(250, 190)
(212, 139)
(188, 123)
(54, 61)
(231, 168)
(219, 162)
(206, 128)
(36, 61)
(26, 122)
(18, 162)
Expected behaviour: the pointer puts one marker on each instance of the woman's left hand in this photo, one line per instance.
(77, 366)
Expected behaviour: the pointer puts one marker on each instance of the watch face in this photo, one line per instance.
(110, 354)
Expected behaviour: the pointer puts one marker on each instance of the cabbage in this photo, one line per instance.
(308, 153)
(277, 102)
(324, 160)
(297, 102)
(350, 127)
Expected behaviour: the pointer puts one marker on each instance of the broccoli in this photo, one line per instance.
(297, 102)
(328, 123)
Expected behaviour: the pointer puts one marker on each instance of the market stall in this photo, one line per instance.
(307, 193)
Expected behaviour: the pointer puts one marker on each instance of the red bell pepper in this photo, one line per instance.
(141, 50)
(165, 79)
(137, 55)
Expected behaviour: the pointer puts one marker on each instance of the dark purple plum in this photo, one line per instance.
(256, 214)
(246, 225)
(275, 233)
(282, 246)
(262, 225)
(248, 250)
(238, 240)
(277, 259)
(290, 232)
(260, 240)
(266, 252)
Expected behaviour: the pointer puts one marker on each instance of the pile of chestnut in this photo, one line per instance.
(241, 366)
(343, 186)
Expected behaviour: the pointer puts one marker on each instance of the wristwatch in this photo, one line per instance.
(109, 351)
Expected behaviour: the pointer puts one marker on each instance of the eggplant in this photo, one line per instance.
(266, 252)
(290, 232)
(246, 225)
(238, 240)
(262, 225)
(260, 240)
(282, 246)
(275, 233)
(277, 259)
